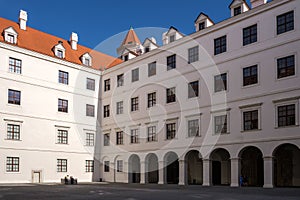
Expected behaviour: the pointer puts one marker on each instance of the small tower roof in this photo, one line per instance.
(131, 37)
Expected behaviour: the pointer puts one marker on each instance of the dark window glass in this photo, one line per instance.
(90, 110)
(151, 99)
(172, 38)
(221, 124)
(134, 104)
(250, 120)
(134, 136)
(250, 35)
(193, 128)
(220, 45)
(120, 80)
(152, 69)
(201, 26)
(119, 107)
(286, 67)
(106, 166)
(62, 105)
(171, 62)
(237, 11)
(285, 22)
(250, 75)
(193, 54)
(193, 89)
(171, 95)
(15, 65)
(106, 85)
(286, 115)
(119, 136)
(90, 84)
(221, 82)
(171, 131)
(106, 139)
(14, 97)
(135, 75)
(151, 130)
(63, 77)
(106, 112)
(119, 165)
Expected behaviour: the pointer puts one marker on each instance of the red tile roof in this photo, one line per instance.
(43, 43)
(131, 37)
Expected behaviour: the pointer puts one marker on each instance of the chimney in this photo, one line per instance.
(74, 41)
(256, 3)
(23, 19)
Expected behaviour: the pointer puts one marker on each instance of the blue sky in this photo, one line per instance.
(97, 20)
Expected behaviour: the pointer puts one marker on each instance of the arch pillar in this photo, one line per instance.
(182, 172)
(207, 172)
(268, 172)
(235, 171)
(142, 173)
(161, 174)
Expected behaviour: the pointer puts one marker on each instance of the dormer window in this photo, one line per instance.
(59, 50)
(238, 7)
(202, 22)
(237, 11)
(10, 38)
(126, 57)
(147, 49)
(201, 26)
(172, 38)
(87, 62)
(86, 59)
(10, 35)
(60, 54)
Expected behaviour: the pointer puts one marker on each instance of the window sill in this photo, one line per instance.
(286, 78)
(192, 137)
(13, 140)
(250, 86)
(282, 127)
(61, 144)
(219, 134)
(251, 131)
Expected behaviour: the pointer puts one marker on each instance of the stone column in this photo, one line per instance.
(161, 172)
(112, 171)
(235, 171)
(207, 172)
(182, 172)
(268, 172)
(142, 181)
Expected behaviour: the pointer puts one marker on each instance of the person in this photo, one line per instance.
(67, 179)
(241, 180)
(72, 180)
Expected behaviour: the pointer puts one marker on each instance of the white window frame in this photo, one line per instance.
(63, 128)
(283, 102)
(171, 121)
(247, 108)
(217, 113)
(13, 122)
(10, 32)
(190, 118)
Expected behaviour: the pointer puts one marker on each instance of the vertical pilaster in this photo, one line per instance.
(161, 172)
(182, 172)
(268, 172)
(207, 172)
(235, 171)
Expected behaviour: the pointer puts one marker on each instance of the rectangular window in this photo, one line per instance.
(193, 54)
(60, 54)
(134, 104)
(12, 164)
(89, 166)
(63, 77)
(151, 134)
(87, 62)
(119, 136)
(172, 38)
(151, 69)
(10, 38)
(120, 80)
(90, 84)
(193, 89)
(221, 82)
(171, 62)
(14, 97)
(193, 128)
(106, 166)
(62, 165)
(171, 131)
(286, 115)
(106, 111)
(13, 132)
(89, 139)
(285, 22)
(220, 45)
(62, 105)
(119, 107)
(90, 110)
(250, 75)
(151, 99)
(237, 11)
(171, 95)
(134, 136)
(250, 120)
(15, 66)
(119, 165)
(106, 85)
(250, 35)
(135, 75)
(201, 26)
(106, 139)
(220, 124)
(62, 137)
(286, 67)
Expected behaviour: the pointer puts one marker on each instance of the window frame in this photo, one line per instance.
(253, 35)
(151, 99)
(152, 133)
(135, 75)
(106, 167)
(193, 54)
(106, 139)
(151, 68)
(63, 77)
(120, 137)
(14, 97)
(221, 113)
(192, 91)
(225, 86)
(90, 110)
(15, 65)
(90, 84)
(286, 29)
(63, 106)
(171, 96)
(61, 165)
(12, 164)
(14, 135)
(171, 130)
(120, 166)
(62, 136)
(246, 82)
(106, 111)
(120, 80)
(89, 166)
(107, 85)
(286, 68)
(171, 62)
(134, 104)
(134, 136)
(220, 45)
(120, 107)
(90, 139)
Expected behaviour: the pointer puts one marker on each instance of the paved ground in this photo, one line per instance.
(141, 192)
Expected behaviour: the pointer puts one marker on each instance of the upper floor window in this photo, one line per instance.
(62, 165)
(134, 136)
(172, 38)
(60, 53)
(193, 54)
(106, 85)
(171, 95)
(286, 115)
(10, 38)
(250, 75)
(171, 131)
(151, 99)
(89, 166)
(59, 50)
(120, 137)
(220, 45)
(250, 120)
(10, 35)
(201, 26)
(193, 128)
(120, 80)
(147, 49)
(106, 111)
(87, 62)
(126, 58)
(134, 104)
(62, 105)
(285, 22)
(250, 35)
(62, 137)
(14, 97)
(120, 108)
(193, 89)
(106, 166)
(15, 65)
(151, 134)
(12, 164)
(90, 110)
(237, 11)
(89, 139)
(171, 62)
(119, 165)
(151, 69)
(90, 84)
(63, 77)
(221, 82)
(220, 124)
(286, 66)
(13, 132)
(106, 139)
(135, 75)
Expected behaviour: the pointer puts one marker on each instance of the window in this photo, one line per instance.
(221, 82)
(90, 110)
(220, 124)
(106, 166)
(134, 136)
(106, 139)
(193, 89)
(106, 111)
(152, 69)
(135, 75)
(13, 132)
(14, 97)
(62, 136)
(220, 45)
(120, 80)
(147, 49)
(12, 164)
(89, 139)
(87, 62)
(62, 165)
(171, 131)
(250, 75)
(119, 165)
(250, 120)
(62, 105)
(89, 166)
(106, 85)
(286, 67)
(172, 38)
(126, 58)
(285, 22)
(193, 128)
(134, 104)
(201, 26)
(171, 62)
(119, 107)
(151, 132)
(90, 84)
(193, 54)
(60, 53)
(63, 77)
(15, 66)
(10, 38)
(250, 35)
(171, 95)
(286, 115)
(237, 11)
(119, 136)
(151, 99)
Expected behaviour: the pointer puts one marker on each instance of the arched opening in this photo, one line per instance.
(221, 167)
(151, 168)
(134, 169)
(171, 168)
(286, 166)
(194, 167)
(252, 167)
